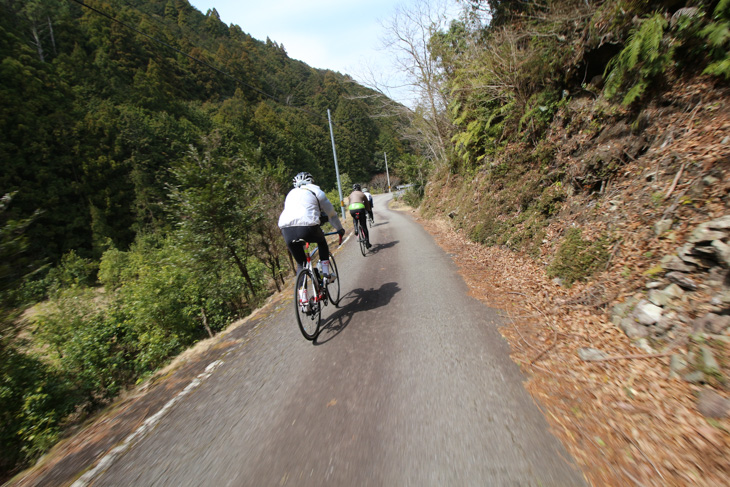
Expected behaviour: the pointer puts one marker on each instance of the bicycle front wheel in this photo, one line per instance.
(333, 287)
(306, 306)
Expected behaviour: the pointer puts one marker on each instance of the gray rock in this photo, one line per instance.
(646, 313)
(653, 285)
(633, 329)
(682, 280)
(643, 344)
(677, 366)
(709, 362)
(712, 405)
(695, 377)
(719, 324)
(666, 323)
(703, 233)
(688, 254)
(674, 263)
(716, 276)
(665, 296)
(722, 251)
(589, 354)
(662, 226)
(674, 291)
(722, 223)
(621, 310)
(712, 323)
(618, 312)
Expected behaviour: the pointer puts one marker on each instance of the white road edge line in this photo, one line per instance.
(140, 433)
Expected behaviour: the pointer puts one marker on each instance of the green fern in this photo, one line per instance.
(717, 35)
(643, 59)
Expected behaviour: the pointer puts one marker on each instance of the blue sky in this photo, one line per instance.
(341, 35)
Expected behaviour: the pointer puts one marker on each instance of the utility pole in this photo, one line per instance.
(387, 174)
(337, 169)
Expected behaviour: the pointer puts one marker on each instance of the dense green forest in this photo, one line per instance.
(146, 148)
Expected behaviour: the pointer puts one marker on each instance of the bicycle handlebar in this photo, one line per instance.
(334, 233)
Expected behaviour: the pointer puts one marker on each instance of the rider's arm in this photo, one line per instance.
(329, 209)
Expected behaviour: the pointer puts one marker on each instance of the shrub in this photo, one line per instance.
(33, 402)
(576, 259)
(643, 59)
(717, 34)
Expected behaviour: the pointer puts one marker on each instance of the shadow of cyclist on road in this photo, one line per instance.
(353, 302)
(377, 247)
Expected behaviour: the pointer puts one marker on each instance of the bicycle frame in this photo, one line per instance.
(321, 295)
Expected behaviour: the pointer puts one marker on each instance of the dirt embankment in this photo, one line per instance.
(636, 402)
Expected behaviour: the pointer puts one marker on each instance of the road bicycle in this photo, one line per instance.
(360, 235)
(313, 291)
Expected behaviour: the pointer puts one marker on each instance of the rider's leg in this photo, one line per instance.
(297, 249)
(364, 226)
(316, 235)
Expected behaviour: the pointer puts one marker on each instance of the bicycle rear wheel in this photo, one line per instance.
(309, 311)
(360, 237)
(333, 287)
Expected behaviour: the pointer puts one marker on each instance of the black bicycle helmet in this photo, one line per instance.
(356, 187)
(302, 178)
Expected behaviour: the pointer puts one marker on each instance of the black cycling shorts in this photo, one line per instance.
(313, 234)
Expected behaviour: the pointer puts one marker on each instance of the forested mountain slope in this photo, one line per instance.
(95, 111)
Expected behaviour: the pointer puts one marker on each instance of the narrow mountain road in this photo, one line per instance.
(409, 383)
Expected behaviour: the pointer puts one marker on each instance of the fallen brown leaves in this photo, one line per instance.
(623, 420)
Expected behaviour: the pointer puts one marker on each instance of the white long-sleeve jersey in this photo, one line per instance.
(302, 206)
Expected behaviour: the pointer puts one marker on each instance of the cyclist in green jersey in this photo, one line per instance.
(359, 207)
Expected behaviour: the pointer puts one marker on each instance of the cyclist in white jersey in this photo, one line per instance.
(306, 207)
(370, 199)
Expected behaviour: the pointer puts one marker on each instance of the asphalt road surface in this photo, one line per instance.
(409, 384)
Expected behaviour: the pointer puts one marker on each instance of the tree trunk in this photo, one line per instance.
(279, 270)
(243, 269)
(53, 38)
(37, 39)
(205, 322)
(272, 268)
